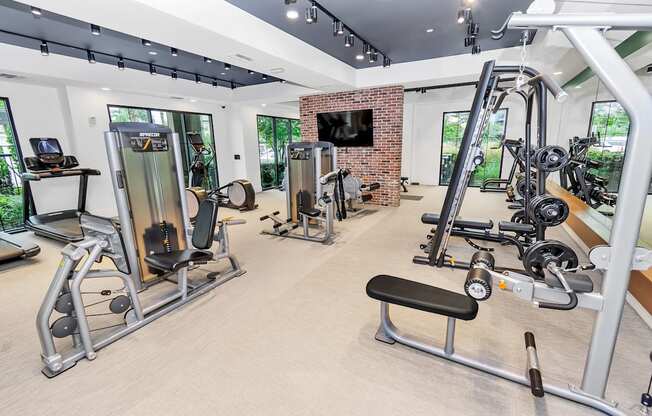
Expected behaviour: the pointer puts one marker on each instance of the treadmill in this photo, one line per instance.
(49, 162)
(12, 249)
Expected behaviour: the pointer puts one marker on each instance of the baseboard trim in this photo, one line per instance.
(631, 300)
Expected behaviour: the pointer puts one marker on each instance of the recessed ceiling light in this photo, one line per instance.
(557, 73)
(36, 11)
(222, 73)
(106, 89)
(430, 30)
(264, 105)
(193, 101)
(152, 53)
(359, 57)
(292, 14)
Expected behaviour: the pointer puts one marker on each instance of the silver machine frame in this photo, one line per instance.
(586, 33)
(317, 229)
(104, 239)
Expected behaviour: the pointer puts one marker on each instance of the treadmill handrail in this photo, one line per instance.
(46, 174)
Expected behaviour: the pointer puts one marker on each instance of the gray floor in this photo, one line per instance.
(294, 336)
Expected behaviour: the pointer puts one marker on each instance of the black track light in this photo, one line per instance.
(469, 41)
(208, 60)
(476, 50)
(423, 90)
(121, 64)
(251, 72)
(232, 85)
(349, 40)
(145, 42)
(386, 62)
(197, 78)
(473, 29)
(227, 67)
(264, 77)
(152, 69)
(45, 50)
(338, 27)
(282, 81)
(36, 11)
(373, 57)
(91, 57)
(311, 13)
(463, 15)
(214, 83)
(95, 30)
(174, 52)
(366, 49)
(174, 74)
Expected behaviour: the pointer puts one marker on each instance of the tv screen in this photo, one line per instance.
(347, 128)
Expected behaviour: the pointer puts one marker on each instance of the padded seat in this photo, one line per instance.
(423, 297)
(433, 219)
(515, 227)
(178, 259)
(310, 212)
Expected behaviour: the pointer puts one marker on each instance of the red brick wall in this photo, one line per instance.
(380, 163)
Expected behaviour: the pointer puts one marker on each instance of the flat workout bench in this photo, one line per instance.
(433, 219)
(414, 295)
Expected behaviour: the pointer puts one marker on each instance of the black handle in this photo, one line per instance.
(534, 374)
(572, 303)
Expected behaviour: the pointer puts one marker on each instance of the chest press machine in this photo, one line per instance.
(561, 288)
(152, 247)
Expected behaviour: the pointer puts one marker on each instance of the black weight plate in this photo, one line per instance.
(64, 303)
(548, 210)
(541, 253)
(64, 326)
(551, 158)
(119, 304)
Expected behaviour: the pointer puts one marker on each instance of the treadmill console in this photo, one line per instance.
(48, 155)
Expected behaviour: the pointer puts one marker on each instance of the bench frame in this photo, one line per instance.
(390, 334)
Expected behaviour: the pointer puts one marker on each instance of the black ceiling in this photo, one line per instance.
(397, 27)
(18, 26)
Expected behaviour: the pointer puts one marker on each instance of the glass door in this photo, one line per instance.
(274, 134)
(11, 166)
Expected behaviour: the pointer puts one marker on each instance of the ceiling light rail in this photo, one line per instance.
(340, 28)
(121, 60)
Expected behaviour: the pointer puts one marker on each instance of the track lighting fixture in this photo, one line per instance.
(463, 15)
(208, 60)
(373, 57)
(423, 90)
(174, 75)
(251, 72)
(91, 57)
(338, 27)
(121, 64)
(45, 50)
(232, 85)
(349, 40)
(264, 77)
(475, 50)
(282, 81)
(473, 29)
(227, 67)
(174, 52)
(36, 11)
(197, 78)
(386, 62)
(145, 42)
(152, 69)
(468, 41)
(95, 30)
(366, 48)
(214, 82)
(311, 13)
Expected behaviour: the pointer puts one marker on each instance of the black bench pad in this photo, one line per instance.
(310, 212)
(433, 219)
(515, 227)
(175, 260)
(423, 297)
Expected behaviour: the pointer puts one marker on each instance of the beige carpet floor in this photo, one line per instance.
(295, 335)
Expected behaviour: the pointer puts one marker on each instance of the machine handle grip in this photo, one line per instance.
(572, 303)
(534, 373)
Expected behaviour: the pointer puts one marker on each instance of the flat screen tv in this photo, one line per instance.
(347, 128)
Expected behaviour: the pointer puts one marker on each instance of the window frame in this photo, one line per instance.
(21, 161)
(181, 112)
(274, 118)
(441, 145)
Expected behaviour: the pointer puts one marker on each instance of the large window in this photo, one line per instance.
(452, 133)
(182, 123)
(274, 134)
(11, 199)
(610, 123)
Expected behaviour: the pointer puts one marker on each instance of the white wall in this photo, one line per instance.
(422, 129)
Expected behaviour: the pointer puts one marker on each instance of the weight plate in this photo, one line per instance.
(63, 326)
(120, 304)
(520, 187)
(551, 158)
(521, 154)
(64, 303)
(540, 254)
(519, 218)
(548, 210)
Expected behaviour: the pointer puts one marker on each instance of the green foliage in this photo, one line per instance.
(274, 134)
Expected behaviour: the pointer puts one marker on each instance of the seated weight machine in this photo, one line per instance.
(152, 247)
(309, 207)
(349, 192)
(561, 287)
